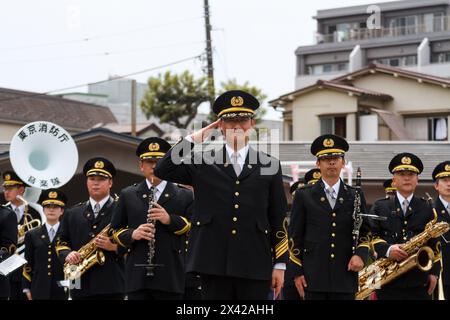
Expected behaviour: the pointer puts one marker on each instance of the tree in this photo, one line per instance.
(174, 98)
(256, 92)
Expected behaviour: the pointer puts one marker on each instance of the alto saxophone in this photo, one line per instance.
(385, 270)
(90, 256)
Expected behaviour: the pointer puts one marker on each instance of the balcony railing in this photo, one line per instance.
(438, 25)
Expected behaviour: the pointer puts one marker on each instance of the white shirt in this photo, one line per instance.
(55, 227)
(445, 203)
(21, 210)
(101, 203)
(400, 199)
(159, 188)
(242, 154)
(335, 187)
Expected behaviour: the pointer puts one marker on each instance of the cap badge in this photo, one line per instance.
(99, 165)
(7, 177)
(406, 160)
(153, 146)
(328, 143)
(316, 175)
(52, 195)
(447, 167)
(237, 101)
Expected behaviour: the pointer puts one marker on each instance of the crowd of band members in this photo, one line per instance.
(233, 241)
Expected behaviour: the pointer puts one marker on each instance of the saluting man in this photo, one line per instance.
(84, 222)
(43, 271)
(406, 216)
(325, 257)
(171, 206)
(238, 242)
(441, 177)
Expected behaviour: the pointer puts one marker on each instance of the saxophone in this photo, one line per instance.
(90, 256)
(385, 270)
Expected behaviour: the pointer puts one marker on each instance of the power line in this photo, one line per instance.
(103, 81)
(101, 54)
(87, 39)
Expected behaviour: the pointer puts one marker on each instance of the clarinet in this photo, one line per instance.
(150, 266)
(357, 216)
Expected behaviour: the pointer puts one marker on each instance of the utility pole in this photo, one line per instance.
(133, 108)
(209, 55)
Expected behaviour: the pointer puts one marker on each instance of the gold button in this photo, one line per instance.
(404, 238)
(94, 227)
(403, 230)
(49, 273)
(405, 223)
(236, 194)
(49, 266)
(233, 231)
(237, 182)
(332, 245)
(198, 223)
(92, 235)
(334, 224)
(49, 259)
(332, 256)
(49, 246)
(187, 242)
(333, 234)
(236, 206)
(49, 252)
(266, 232)
(234, 219)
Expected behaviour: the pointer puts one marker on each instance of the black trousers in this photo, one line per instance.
(447, 292)
(149, 294)
(109, 296)
(231, 288)
(290, 292)
(313, 295)
(414, 293)
(16, 291)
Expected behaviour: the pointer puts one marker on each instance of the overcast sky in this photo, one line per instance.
(53, 44)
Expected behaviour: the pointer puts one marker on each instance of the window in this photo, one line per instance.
(437, 129)
(327, 68)
(440, 57)
(427, 128)
(333, 125)
(398, 61)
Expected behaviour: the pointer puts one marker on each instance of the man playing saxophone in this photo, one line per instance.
(406, 216)
(13, 187)
(441, 177)
(84, 222)
(170, 209)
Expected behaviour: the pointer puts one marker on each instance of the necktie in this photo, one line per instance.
(96, 209)
(331, 195)
(51, 234)
(236, 166)
(405, 206)
(17, 211)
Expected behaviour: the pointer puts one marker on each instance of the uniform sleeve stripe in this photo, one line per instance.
(281, 249)
(295, 260)
(116, 237)
(60, 248)
(185, 229)
(26, 275)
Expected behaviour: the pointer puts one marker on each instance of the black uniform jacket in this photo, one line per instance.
(239, 226)
(130, 213)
